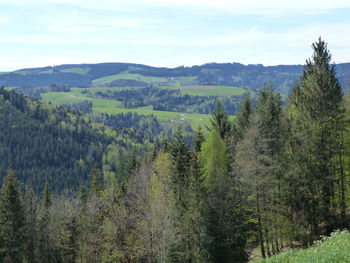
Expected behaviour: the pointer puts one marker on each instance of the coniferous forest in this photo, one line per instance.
(81, 190)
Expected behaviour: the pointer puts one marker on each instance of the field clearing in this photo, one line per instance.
(115, 107)
(194, 118)
(173, 81)
(108, 79)
(82, 71)
(64, 97)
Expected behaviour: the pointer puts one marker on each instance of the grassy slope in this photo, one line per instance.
(335, 249)
(115, 107)
(151, 80)
(82, 71)
(107, 79)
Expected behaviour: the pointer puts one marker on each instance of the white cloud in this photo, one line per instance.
(260, 7)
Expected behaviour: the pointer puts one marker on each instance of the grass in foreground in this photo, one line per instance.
(333, 249)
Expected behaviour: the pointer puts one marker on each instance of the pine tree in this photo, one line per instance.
(220, 121)
(224, 220)
(259, 160)
(243, 116)
(181, 160)
(45, 254)
(198, 139)
(31, 212)
(12, 221)
(316, 123)
(95, 182)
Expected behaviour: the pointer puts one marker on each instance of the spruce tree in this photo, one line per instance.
(45, 254)
(12, 221)
(243, 116)
(198, 139)
(316, 123)
(31, 212)
(220, 121)
(181, 160)
(223, 214)
(95, 182)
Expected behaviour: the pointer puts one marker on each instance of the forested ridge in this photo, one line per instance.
(275, 178)
(253, 76)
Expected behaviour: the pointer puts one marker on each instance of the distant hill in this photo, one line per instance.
(254, 77)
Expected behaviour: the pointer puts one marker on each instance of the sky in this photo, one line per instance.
(170, 33)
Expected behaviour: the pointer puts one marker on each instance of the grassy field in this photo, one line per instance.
(82, 71)
(335, 249)
(150, 80)
(115, 107)
(195, 119)
(108, 79)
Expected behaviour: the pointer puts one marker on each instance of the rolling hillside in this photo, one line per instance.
(126, 74)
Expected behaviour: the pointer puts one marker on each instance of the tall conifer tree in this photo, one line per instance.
(12, 221)
(316, 122)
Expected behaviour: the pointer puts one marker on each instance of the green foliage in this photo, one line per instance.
(31, 226)
(95, 185)
(316, 123)
(243, 116)
(220, 121)
(44, 240)
(215, 162)
(12, 221)
(198, 139)
(223, 213)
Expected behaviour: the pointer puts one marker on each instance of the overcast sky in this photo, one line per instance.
(169, 32)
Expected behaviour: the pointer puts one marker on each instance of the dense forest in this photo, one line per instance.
(47, 143)
(275, 178)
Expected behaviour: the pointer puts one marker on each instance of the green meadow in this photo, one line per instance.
(115, 107)
(335, 249)
(80, 70)
(108, 79)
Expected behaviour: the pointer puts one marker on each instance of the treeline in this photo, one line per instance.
(35, 92)
(276, 177)
(169, 100)
(84, 106)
